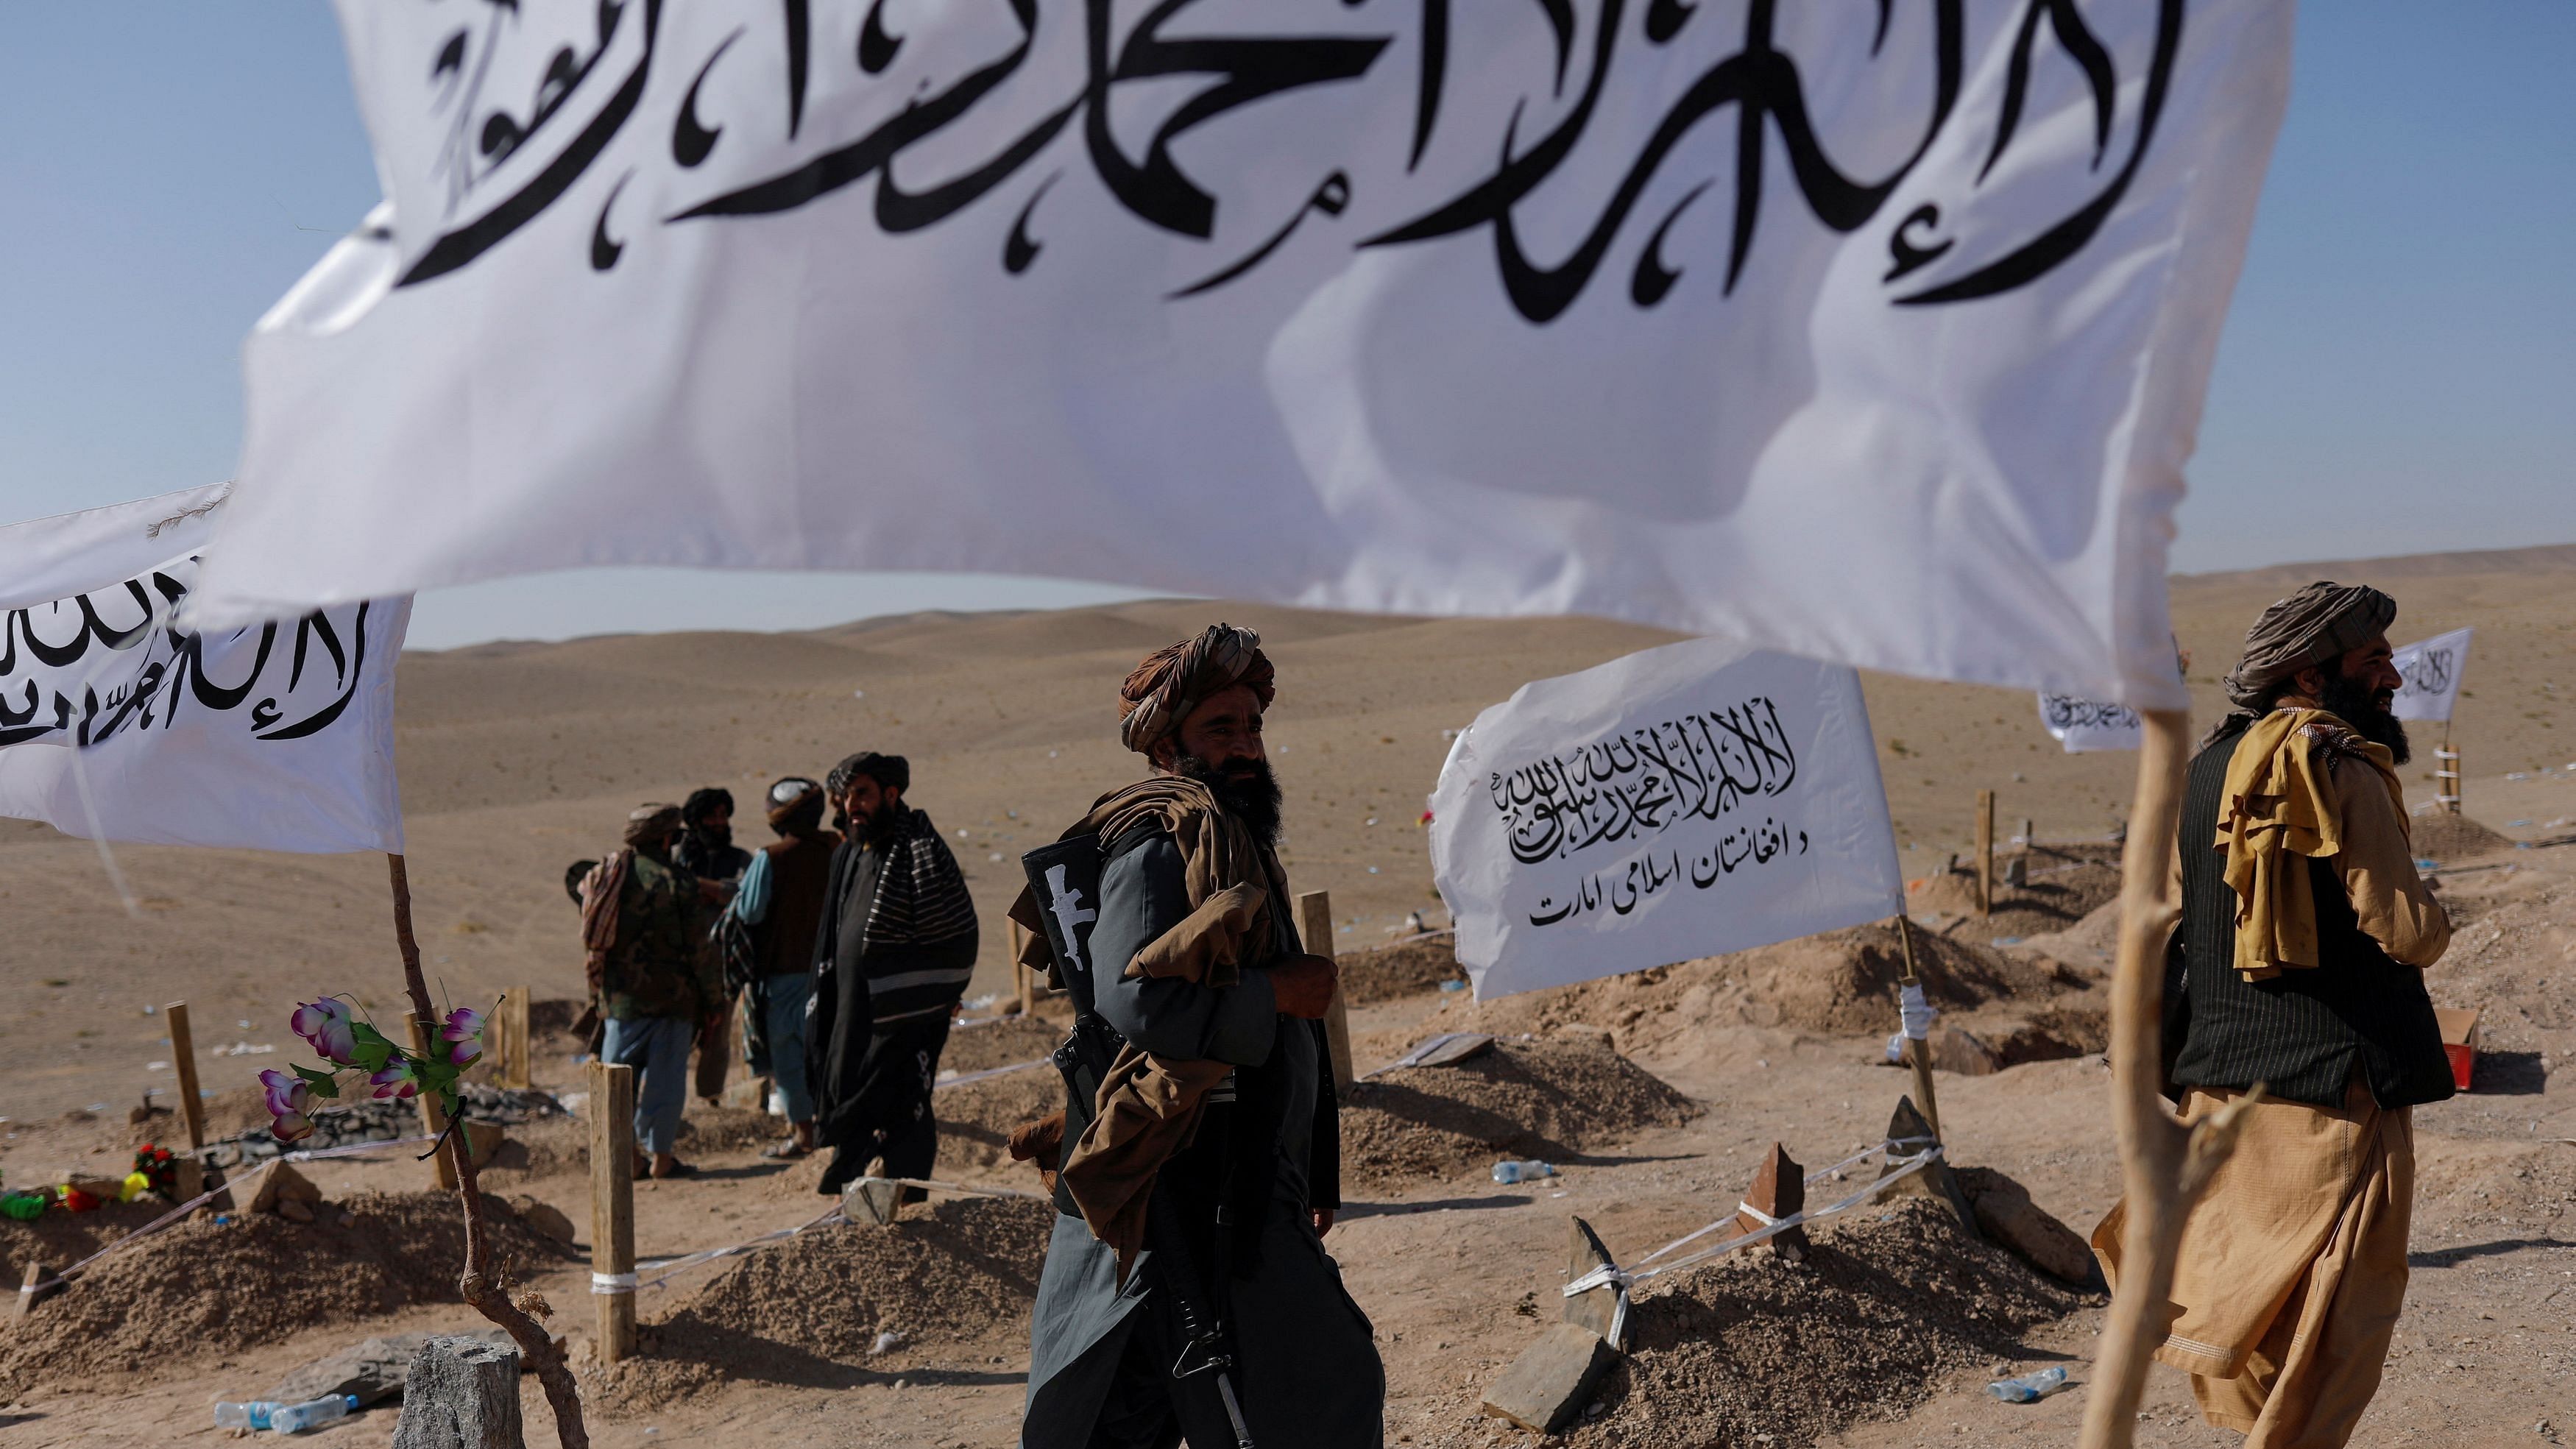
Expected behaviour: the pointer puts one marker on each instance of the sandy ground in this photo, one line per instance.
(519, 759)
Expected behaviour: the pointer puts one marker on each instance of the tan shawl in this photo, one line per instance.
(2278, 803)
(1148, 1106)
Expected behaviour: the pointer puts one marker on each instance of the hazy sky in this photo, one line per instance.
(2399, 373)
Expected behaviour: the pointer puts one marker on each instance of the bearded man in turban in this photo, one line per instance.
(653, 972)
(1215, 1117)
(2298, 965)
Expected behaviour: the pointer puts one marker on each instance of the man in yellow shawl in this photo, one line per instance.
(2298, 967)
(1214, 1116)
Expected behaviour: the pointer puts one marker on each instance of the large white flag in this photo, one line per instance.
(1871, 333)
(2085, 725)
(117, 722)
(1697, 798)
(2432, 668)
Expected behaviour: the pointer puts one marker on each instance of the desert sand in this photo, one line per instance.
(517, 759)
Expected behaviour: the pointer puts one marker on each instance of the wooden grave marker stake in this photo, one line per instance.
(190, 1167)
(1985, 852)
(433, 1120)
(1918, 1054)
(1022, 977)
(1779, 1190)
(1315, 925)
(515, 1031)
(612, 1207)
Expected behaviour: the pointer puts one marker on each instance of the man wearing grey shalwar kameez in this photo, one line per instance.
(1221, 1095)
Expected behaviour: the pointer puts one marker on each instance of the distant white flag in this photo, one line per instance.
(1677, 803)
(1293, 301)
(2083, 725)
(276, 736)
(2432, 668)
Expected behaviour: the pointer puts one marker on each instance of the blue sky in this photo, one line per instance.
(2399, 373)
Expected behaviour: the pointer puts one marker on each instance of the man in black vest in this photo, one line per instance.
(2298, 965)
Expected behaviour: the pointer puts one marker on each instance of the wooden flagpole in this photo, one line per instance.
(2164, 1164)
(1918, 1054)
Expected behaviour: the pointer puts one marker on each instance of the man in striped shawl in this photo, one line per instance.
(894, 952)
(2297, 968)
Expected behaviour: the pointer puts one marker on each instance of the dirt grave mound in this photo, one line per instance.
(1753, 1349)
(1407, 968)
(1556, 1098)
(202, 1288)
(2451, 838)
(2061, 884)
(809, 1311)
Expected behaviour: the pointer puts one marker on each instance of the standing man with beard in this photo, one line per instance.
(895, 949)
(1214, 1120)
(2298, 964)
(652, 972)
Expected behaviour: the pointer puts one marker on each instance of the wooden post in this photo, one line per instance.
(2164, 1165)
(2446, 773)
(612, 1207)
(515, 1033)
(433, 1120)
(1985, 852)
(189, 1174)
(1779, 1190)
(1024, 980)
(1315, 924)
(27, 1294)
(1918, 1054)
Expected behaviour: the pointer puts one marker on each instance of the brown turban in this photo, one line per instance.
(795, 805)
(2316, 625)
(1172, 682)
(652, 824)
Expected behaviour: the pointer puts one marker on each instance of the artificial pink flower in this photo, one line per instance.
(287, 1096)
(464, 1028)
(397, 1080)
(328, 1027)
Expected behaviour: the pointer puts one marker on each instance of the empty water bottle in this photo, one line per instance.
(314, 1411)
(2030, 1388)
(253, 1415)
(1511, 1172)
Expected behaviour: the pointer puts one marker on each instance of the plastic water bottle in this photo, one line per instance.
(253, 1415)
(337, 1406)
(2030, 1388)
(1511, 1172)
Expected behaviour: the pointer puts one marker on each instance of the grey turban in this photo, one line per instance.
(2316, 625)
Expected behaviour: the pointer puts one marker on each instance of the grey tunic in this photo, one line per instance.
(1307, 1370)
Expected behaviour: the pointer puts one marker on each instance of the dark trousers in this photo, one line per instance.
(886, 1111)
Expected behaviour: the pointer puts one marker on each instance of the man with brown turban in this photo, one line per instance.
(653, 972)
(2298, 967)
(1214, 1115)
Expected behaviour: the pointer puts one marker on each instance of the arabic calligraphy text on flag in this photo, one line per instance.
(118, 722)
(2432, 669)
(2084, 725)
(1871, 337)
(1677, 803)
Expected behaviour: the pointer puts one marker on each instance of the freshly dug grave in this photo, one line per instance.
(1556, 1098)
(201, 1288)
(1839, 983)
(1754, 1349)
(1407, 968)
(2062, 884)
(2448, 838)
(808, 1311)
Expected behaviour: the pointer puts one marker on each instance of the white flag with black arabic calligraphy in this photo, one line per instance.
(117, 722)
(2432, 669)
(1875, 333)
(1677, 803)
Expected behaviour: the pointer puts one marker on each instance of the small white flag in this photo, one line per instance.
(2432, 668)
(2083, 725)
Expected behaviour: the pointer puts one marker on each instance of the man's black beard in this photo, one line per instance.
(878, 826)
(1246, 788)
(2358, 706)
(712, 835)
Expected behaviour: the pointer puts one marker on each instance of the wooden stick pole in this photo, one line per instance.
(433, 1120)
(1021, 977)
(514, 1054)
(612, 1206)
(478, 1285)
(1315, 924)
(1918, 1054)
(189, 1176)
(1985, 852)
(2164, 1165)
(2447, 775)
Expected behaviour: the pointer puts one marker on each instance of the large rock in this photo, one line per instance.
(544, 1216)
(283, 1183)
(373, 1370)
(462, 1393)
(2009, 1217)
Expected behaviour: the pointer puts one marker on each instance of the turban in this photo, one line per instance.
(706, 801)
(891, 772)
(652, 824)
(2317, 625)
(795, 803)
(1172, 682)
